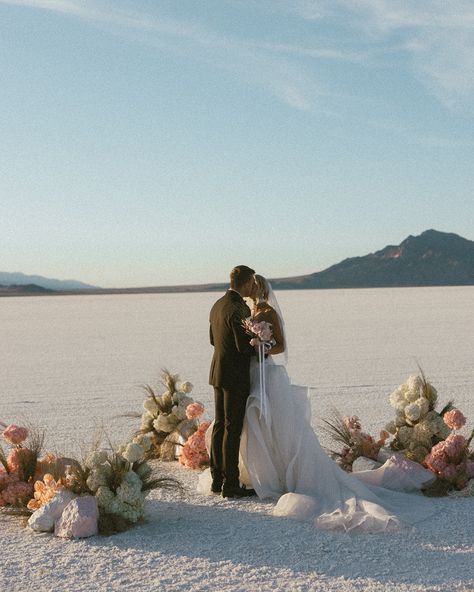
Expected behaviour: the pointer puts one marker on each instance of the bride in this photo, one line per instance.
(282, 459)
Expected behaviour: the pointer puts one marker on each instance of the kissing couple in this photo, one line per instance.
(262, 440)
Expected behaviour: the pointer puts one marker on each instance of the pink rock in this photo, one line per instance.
(79, 518)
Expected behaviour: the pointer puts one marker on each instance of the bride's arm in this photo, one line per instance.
(279, 347)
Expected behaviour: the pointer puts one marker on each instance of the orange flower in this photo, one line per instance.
(44, 491)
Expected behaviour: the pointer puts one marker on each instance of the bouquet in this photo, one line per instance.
(417, 427)
(260, 331)
(348, 432)
(165, 418)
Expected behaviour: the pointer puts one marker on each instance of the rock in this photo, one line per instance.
(79, 518)
(365, 464)
(43, 519)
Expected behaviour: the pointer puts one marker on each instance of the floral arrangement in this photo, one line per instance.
(165, 419)
(260, 331)
(355, 443)
(119, 481)
(420, 433)
(417, 427)
(20, 466)
(450, 460)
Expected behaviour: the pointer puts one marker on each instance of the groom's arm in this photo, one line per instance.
(242, 340)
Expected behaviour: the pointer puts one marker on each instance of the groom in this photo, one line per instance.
(230, 377)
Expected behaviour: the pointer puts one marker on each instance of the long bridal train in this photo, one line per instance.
(282, 459)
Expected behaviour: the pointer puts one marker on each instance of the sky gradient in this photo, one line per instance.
(162, 142)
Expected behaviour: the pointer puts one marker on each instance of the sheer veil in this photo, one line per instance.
(279, 359)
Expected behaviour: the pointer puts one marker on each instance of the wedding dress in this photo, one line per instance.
(282, 459)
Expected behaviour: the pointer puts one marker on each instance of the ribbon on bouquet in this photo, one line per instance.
(263, 389)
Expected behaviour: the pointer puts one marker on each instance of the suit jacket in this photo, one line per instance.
(230, 367)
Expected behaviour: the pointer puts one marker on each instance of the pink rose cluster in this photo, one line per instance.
(14, 492)
(449, 461)
(194, 454)
(261, 331)
(194, 410)
(454, 419)
(14, 434)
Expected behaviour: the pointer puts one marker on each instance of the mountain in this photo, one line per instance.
(24, 290)
(20, 279)
(431, 259)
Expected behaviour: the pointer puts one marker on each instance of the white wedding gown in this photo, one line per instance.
(282, 459)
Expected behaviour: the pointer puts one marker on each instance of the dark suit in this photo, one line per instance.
(230, 377)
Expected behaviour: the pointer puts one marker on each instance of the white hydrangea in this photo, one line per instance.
(423, 405)
(96, 479)
(391, 428)
(143, 441)
(397, 399)
(423, 431)
(415, 384)
(104, 497)
(400, 419)
(150, 406)
(165, 423)
(412, 395)
(405, 435)
(186, 387)
(412, 412)
(180, 411)
(97, 457)
(146, 422)
(182, 399)
(133, 452)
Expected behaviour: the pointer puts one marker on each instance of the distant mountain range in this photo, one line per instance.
(20, 279)
(431, 259)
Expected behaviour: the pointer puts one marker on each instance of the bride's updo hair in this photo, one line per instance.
(263, 287)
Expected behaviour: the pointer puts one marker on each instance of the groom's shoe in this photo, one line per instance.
(237, 492)
(216, 487)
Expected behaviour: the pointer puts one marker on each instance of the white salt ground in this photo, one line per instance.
(70, 363)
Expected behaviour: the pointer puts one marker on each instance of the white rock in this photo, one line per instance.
(43, 519)
(79, 518)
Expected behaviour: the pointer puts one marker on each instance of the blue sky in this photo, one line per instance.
(162, 142)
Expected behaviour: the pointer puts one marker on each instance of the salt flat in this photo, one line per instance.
(72, 363)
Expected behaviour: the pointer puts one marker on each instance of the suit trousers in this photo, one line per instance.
(229, 420)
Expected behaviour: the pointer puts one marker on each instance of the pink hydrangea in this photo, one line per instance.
(15, 434)
(194, 454)
(16, 457)
(454, 419)
(17, 493)
(454, 445)
(194, 410)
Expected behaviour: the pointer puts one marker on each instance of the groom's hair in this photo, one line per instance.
(240, 275)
